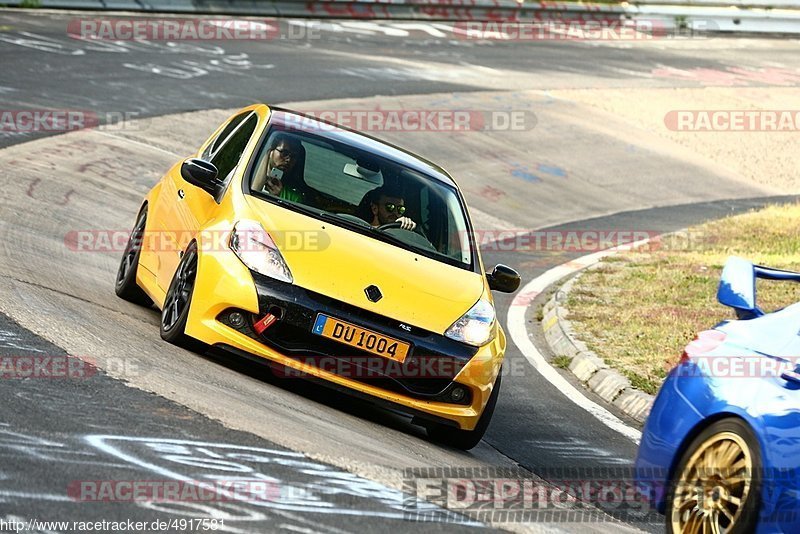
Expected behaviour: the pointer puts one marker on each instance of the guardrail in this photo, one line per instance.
(720, 19)
(743, 4)
(442, 10)
(429, 10)
(697, 15)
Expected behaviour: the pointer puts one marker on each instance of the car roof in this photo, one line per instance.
(329, 130)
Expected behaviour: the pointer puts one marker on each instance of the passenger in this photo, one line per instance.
(284, 168)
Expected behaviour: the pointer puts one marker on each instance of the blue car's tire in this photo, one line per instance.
(717, 480)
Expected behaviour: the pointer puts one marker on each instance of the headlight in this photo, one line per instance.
(475, 327)
(254, 246)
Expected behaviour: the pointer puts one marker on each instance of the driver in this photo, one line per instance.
(388, 206)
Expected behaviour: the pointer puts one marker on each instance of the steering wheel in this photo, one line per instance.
(395, 224)
(426, 243)
(417, 229)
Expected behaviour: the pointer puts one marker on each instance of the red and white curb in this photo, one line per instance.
(518, 332)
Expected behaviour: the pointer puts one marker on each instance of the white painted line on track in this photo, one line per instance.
(518, 332)
(35, 496)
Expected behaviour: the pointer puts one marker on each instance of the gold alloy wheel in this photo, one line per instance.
(714, 486)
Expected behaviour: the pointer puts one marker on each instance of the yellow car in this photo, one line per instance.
(330, 255)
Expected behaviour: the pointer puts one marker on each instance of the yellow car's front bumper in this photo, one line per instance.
(225, 285)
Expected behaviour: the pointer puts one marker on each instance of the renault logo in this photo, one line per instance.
(373, 293)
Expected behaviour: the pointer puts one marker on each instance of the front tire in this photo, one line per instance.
(125, 286)
(717, 484)
(178, 300)
(467, 439)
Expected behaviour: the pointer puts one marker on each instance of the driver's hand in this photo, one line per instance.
(274, 186)
(406, 223)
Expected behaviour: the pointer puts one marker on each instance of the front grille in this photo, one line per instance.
(423, 376)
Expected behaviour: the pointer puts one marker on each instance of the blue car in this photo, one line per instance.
(720, 451)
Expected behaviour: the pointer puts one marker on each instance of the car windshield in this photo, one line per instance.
(354, 188)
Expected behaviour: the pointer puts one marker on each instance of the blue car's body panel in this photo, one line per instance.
(742, 375)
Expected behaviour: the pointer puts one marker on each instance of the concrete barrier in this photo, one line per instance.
(699, 15)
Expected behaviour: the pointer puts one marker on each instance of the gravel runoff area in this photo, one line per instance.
(768, 156)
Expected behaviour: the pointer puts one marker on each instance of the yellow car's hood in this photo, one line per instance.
(341, 264)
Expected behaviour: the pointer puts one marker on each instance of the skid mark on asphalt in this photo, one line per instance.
(55, 200)
(244, 486)
(31, 447)
(11, 340)
(579, 449)
(195, 463)
(215, 60)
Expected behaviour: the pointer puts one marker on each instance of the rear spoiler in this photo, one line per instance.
(737, 285)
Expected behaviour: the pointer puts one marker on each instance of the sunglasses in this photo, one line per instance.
(390, 207)
(285, 153)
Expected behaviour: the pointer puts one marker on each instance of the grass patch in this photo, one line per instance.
(638, 313)
(562, 361)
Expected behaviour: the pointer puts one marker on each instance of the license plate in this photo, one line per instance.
(358, 337)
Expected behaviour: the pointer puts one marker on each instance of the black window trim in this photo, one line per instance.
(233, 132)
(209, 146)
(227, 184)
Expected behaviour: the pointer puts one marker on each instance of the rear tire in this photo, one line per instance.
(178, 300)
(717, 481)
(467, 439)
(126, 286)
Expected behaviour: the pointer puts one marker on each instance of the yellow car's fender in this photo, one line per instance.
(223, 282)
(148, 259)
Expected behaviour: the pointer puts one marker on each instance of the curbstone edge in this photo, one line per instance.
(612, 386)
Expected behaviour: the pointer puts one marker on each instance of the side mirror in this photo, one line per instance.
(203, 174)
(503, 278)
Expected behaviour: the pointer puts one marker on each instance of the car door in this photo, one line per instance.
(182, 207)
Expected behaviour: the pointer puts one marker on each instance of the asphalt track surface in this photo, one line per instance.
(53, 439)
(56, 432)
